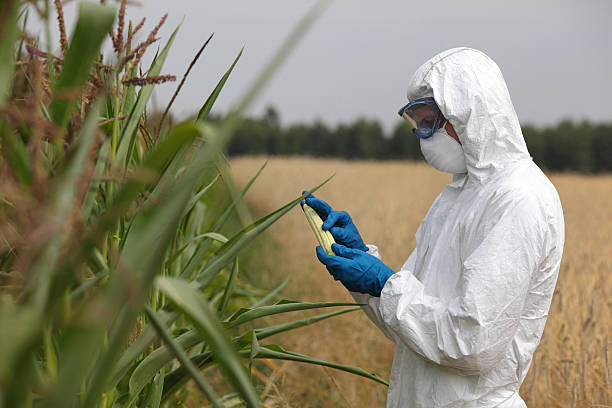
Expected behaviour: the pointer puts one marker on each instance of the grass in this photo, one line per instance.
(572, 366)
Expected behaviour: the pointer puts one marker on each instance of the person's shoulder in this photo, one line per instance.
(529, 190)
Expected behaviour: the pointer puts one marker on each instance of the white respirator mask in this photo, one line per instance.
(443, 152)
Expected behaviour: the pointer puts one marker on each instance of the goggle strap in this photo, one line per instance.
(410, 120)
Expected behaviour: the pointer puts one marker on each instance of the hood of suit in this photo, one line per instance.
(472, 94)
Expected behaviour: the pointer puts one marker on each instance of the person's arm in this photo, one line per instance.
(372, 308)
(472, 331)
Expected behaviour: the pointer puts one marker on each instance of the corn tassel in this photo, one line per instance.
(325, 238)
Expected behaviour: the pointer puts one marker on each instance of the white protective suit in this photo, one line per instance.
(468, 308)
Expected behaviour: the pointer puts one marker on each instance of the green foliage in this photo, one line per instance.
(602, 148)
(8, 31)
(118, 280)
(95, 20)
(568, 146)
(403, 144)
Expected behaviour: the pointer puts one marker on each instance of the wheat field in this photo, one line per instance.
(387, 201)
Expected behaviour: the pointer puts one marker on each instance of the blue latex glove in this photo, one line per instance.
(339, 223)
(357, 270)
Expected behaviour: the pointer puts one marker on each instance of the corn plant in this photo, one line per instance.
(118, 280)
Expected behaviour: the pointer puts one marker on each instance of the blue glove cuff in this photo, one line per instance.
(379, 281)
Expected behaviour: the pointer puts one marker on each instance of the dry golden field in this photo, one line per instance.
(387, 200)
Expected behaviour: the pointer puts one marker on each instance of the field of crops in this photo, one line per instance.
(572, 366)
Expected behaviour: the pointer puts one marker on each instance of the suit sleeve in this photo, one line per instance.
(372, 304)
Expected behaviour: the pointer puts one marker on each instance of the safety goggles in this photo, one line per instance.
(424, 115)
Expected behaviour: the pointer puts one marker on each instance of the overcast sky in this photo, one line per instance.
(357, 58)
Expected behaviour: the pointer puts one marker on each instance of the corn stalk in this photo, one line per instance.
(119, 278)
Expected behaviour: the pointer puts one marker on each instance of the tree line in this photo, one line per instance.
(567, 146)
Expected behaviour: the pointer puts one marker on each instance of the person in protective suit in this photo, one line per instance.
(468, 308)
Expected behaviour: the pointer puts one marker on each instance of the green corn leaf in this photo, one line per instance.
(158, 159)
(208, 235)
(92, 339)
(144, 235)
(179, 376)
(19, 330)
(8, 34)
(229, 288)
(79, 343)
(16, 154)
(269, 296)
(173, 200)
(143, 253)
(127, 137)
(246, 315)
(193, 262)
(151, 234)
(233, 119)
(99, 266)
(157, 359)
(153, 398)
(92, 204)
(155, 160)
(130, 94)
(203, 154)
(224, 254)
(264, 332)
(198, 162)
(221, 221)
(107, 357)
(65, 192)
(43, 267)
(23, 15)
(244, 214)
(276, 352)
(50, 353)
(182, 357)
(243, 290)
(148, 336)
(153, 165)
(194, 200)
(281, 55)
(146, 244)
(95, 21)
(176, 378)
(254, 348)
(205, 110)
(199, 313)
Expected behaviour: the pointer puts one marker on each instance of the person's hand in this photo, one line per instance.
(339, 223)
(357, 270)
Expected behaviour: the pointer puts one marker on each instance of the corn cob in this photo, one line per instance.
(325, 238)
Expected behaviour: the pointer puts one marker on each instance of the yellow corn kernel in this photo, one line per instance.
(325, 238)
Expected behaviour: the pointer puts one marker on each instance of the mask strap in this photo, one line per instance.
(443, 126)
